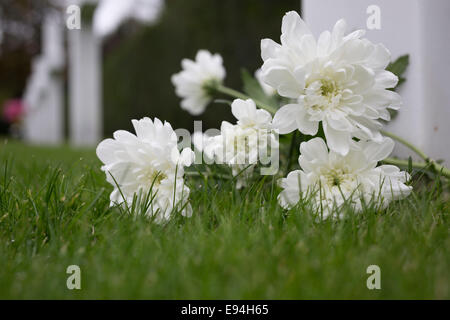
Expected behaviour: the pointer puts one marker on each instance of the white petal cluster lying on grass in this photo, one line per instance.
(332, 179)
(147, 161)
(243, 144)
(191, 81)
(339, 80)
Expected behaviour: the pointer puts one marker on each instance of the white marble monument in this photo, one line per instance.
(85, 61)
(85, 108)
(44, 98)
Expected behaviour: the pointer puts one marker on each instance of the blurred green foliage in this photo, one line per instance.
(138, 68)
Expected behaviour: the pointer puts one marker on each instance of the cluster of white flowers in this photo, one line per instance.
(339, 80)
(243, 144)
(332, 179)
(339, 83)
(147, 162)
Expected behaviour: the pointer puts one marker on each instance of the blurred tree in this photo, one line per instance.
(20, 23)
(137, 69)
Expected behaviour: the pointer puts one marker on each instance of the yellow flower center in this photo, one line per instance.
(322, 94)
(155, 177)
(328, 88)
(336, 177)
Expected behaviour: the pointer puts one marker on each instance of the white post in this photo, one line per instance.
(44, 98)
(85, 86)
(415, 27)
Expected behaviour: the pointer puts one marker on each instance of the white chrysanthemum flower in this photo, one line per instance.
(332, 179)
(268, 90)
(191, 81)
(339, 80)
(242, 145)
(149, 160)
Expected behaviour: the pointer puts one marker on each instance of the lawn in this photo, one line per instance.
(54, 212)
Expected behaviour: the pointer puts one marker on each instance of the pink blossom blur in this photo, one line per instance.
(13, 110)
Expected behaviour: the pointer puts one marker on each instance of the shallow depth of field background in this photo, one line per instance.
(138, 61)
(239, 244)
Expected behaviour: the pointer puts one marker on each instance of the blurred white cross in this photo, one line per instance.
(43, 95)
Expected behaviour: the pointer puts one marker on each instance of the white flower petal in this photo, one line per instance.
(269, 49)
(379, 151)
(338, 33)
(187, 157)
(293, 28)
(285, 118)
(323, 44)
(291, 185)
(243, 109)
(386, 79)
(313, 153)
(338, 141)
(380, 57)
(106, 151)
(306, 125)
(283, 80)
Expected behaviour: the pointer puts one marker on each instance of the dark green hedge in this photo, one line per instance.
(137, 69)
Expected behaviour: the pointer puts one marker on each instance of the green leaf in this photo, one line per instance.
(253, 89)
(398, 67)
(223, 101)
(410, 167)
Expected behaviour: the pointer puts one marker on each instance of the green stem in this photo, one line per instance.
(419, 165)
(291, 150)
(408, 144)
(236, 94)
(214, 175)
(428, 161)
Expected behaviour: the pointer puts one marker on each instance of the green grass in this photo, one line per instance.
(54, 212)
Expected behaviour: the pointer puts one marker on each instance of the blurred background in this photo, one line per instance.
(60, 81)
(138, 57)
